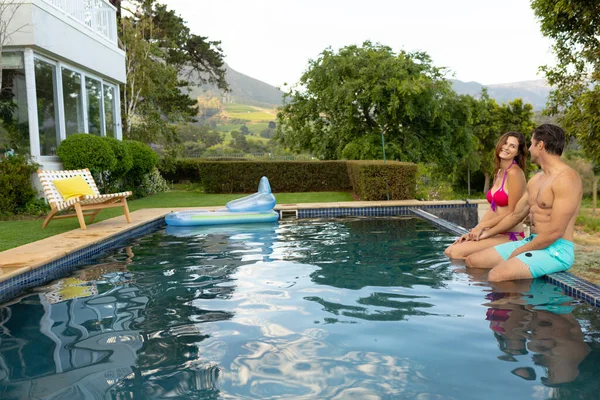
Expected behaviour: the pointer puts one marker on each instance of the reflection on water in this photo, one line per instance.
(315, 309)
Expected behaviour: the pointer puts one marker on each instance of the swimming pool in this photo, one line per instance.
(345, 308)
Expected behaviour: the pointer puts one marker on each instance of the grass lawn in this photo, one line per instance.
(17, 232)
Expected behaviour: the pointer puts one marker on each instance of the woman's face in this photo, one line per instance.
(509, 149)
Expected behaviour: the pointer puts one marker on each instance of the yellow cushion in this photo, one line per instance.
(73, 187)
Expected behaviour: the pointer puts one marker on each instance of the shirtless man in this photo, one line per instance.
(552, 199)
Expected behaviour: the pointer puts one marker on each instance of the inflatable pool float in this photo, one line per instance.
(257, 207)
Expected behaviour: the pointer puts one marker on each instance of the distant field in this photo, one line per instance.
(241, 111)
(239, 108)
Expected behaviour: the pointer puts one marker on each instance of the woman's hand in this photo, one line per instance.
(475, 233)
(463, 238)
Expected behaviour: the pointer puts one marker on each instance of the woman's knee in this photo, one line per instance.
(471, 261)
(454, 253)
(449, 250)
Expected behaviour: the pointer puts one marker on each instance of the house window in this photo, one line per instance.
(109, 110)
(45, 84)
(71, 82)
(14, 126)
(94, 102)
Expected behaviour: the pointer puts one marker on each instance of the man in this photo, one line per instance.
(552, 199)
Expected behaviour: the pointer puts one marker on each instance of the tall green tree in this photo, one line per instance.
(162, 56)
(574, 25)
(346, 100)
(489, 121)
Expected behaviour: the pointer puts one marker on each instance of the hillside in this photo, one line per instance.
(244, 90)
(250, 91)
(534, 92)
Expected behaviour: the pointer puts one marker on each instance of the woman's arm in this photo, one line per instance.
(515, 185)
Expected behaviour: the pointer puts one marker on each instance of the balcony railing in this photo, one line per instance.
(97, 15)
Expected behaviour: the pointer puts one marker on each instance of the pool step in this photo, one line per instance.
(283, 214)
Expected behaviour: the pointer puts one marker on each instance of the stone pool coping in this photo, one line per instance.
(36, 263)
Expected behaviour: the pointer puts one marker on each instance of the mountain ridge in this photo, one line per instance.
(251, 91)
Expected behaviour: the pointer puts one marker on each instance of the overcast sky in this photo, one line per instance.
(487, 41)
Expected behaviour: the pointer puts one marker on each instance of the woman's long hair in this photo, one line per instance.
(521, 153)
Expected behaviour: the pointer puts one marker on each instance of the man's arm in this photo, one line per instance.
(567, 196)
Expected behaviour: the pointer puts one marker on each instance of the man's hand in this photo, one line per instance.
(484, 235)
(515, 253)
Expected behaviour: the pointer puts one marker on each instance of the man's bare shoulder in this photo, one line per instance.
(568, 178)
(535, 178)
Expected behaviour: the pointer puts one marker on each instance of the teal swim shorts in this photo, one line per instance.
(557, 257)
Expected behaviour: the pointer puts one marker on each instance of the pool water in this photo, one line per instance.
(340, 309)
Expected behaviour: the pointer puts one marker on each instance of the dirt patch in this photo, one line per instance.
(587, 257)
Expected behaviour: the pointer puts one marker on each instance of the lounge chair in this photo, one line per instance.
(84, 205)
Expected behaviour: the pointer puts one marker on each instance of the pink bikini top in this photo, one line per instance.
(500, 197)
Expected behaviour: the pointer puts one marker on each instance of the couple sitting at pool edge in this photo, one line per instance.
(551, 199)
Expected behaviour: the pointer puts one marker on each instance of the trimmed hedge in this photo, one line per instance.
(374, 180)
(244, 176)
(366, 178)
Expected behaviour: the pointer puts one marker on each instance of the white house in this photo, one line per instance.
(60, 75)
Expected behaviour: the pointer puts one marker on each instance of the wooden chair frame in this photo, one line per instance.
(88, 205)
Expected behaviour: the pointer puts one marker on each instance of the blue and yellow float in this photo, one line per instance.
(257, 207)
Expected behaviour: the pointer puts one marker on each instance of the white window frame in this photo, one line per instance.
(58, 101)
(116, 121)
(101, 81)
(29, 56)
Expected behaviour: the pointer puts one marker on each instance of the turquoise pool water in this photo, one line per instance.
(353, 308)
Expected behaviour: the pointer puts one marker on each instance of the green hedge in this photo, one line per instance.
(374, 180)
(370, 180)
(244, 176)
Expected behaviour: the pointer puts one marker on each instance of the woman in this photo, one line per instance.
(507, 189)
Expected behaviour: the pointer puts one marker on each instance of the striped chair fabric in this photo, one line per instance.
(88, 202)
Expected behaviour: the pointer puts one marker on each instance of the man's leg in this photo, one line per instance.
(510, 270)
(487, 259)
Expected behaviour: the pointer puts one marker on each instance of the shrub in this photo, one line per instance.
(17, 195)
(151, 183)
(124, 159)
(82, 150)
(144, 161)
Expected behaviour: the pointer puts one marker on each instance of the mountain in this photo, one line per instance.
(535, 92)
(244, 90)
(250, 91)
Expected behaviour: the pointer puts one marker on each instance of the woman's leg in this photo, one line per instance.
(460, 251)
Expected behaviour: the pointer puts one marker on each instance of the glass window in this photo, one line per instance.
(94, 105)
(71, 82)
(14, 124)
(109, 110)
(45, 84)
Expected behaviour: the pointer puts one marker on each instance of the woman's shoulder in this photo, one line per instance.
(515, 171)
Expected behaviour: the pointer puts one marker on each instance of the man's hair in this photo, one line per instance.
(553, 137)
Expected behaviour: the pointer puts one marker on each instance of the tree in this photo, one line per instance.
(575, 27)
(8, 10)
(161, 51)
(347, 100)
(490, 121)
